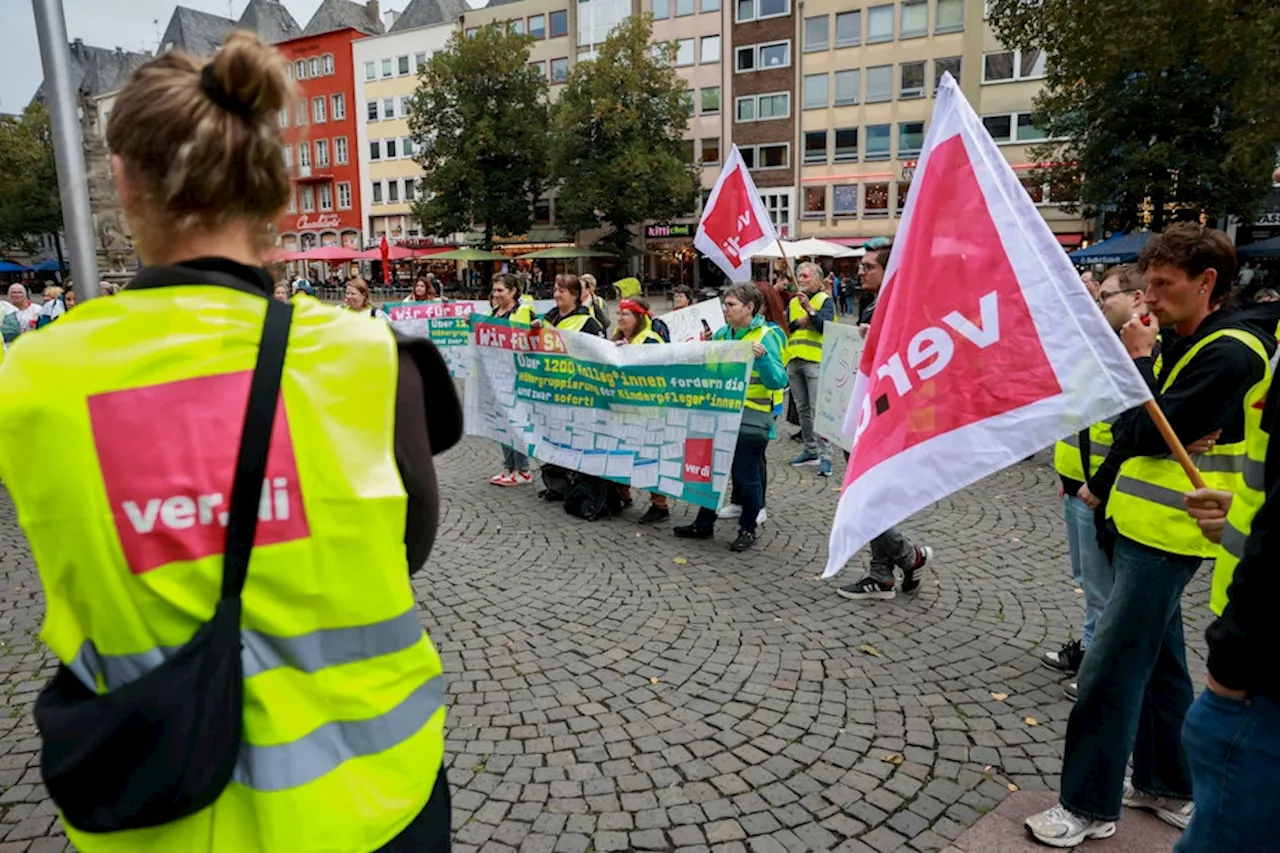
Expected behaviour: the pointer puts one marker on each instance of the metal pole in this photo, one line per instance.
(68, 151)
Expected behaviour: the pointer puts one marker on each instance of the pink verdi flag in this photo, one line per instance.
(985, 346)
(735, 224)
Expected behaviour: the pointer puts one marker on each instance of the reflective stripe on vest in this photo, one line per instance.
(1146, 503)
(805, 344)
(759, 396)
(1066, 453)
(647, 335)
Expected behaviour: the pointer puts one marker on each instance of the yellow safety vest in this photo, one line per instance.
(1146, 501)
(1248, 499)
(647, 334)
(344, 693)
(759, 396)
(526, 299)
(575, 322)
(1066, 453)
(805, 344)
(521, 315)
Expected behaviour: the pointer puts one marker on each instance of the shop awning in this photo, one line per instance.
(1262, 249)
(1069, 240)
(1120, 249)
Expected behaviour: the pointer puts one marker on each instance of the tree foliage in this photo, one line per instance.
(479, 123)
(1171, 103)
(616, 136)
(29, 200)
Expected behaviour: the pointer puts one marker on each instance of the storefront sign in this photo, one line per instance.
(324, 220)
(666, 230)
(1268, 219)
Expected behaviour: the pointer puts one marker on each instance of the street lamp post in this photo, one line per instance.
(68, 151)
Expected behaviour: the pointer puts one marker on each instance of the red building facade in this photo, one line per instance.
(320, 144)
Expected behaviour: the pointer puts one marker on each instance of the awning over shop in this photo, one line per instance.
(1264, 249)
(1120, 249)
(1070, 240)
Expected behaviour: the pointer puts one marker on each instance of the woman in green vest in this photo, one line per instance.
(328, 720)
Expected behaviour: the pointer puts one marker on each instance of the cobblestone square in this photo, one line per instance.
(614, 688)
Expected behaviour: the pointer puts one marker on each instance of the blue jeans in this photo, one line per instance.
(514, 461)
(1134, 688)
(1234, 751)
(1090, 567)
(747, 471)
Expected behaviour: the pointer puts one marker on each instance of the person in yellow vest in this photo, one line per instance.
(1134, 688)
(331, 724)
(509, 305)
(807, 312)
(635, 327)
(569, 312)
(744, 322)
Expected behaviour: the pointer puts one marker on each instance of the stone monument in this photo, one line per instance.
(117, 261)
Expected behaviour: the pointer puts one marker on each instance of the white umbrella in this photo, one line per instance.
(814, 248)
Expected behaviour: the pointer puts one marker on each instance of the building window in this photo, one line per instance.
(402, 65)
(684, 52)
(710, 49)
(559, 24)
(879, 84)
(377, 192)
(288, 156)
(755, 10)
(538, 26)
(844, 201)
(300, 69)
(815, 91)
(709, 5)
(284, 117)
(517, 27)
(745, 109)
(318, 111)
(404, 106)
(326, 63)
(911, 80)
(340, 150)
(876, 200)
(388, 107)
(408, 188)
(1000, 127)
(391, 149)
(815, 146)
(849, 29)
(815, 33)
(1007, 65)
(308, 199)
(661, 9)
(948, 16)
(764, 107)
(1027, 130)
(759, 57)
(559, 70)
(542, 211)
(326, 197)
(773, 156)
(879, 24)
(386, 67)
(779, 207)
(815, 203)
(339, 107)
(686, 150)
(344, 196)
(393, 192)
(904, 187)
(879, 140)
(419, 61)
(710, 100)
(942, 66)
(314, 64)
(371, 71)
(371, 109)
(915, 19)
(300, 114)
(471, 32)
(406, 147)
(846, 144)
(685, 7)
(293, 200)
(1013, 127)
(540, 68)
(304, 155)
(322, 152)
(848, 86)
(375, 149)
(1034, 188)
(910, 138)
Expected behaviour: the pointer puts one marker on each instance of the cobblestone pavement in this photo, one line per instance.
(613, 688)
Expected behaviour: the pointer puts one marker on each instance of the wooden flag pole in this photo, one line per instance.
(1175, 446)
(791, 273)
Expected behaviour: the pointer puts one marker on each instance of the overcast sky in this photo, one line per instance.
(130, 24)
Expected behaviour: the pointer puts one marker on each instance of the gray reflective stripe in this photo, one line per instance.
(1225, 464)
(262, 652)
(1073, 440)
(1171, 498)
(1255, 473)
(289, 765)
(1233, 541)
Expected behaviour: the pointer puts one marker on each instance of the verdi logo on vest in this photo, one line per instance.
(168, 455)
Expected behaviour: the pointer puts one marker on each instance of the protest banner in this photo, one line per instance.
(841, 352)
(663, 418)
(447, 325)
(985, 346)
(688, 324)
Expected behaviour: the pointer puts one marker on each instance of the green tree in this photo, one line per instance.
(479, 122)
(29, 200)
(1163, 105)
(617, 133)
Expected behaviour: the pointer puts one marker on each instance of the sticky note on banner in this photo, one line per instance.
(669, 468)
(678, 417)
(702, 424)
(644, 473)
(671, 486)
(620, 464)
(672, 450)
(594, 462)
(723, 460)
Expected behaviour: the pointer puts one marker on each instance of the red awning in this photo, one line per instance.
(1070, 240)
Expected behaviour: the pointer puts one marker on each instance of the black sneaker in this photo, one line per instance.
(746, 541)
(1066, 659)
(1072, 689)
(693, 531)
(868, 587)
(911, 577)
(654, 514)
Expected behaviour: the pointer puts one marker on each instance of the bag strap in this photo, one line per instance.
(255, 441)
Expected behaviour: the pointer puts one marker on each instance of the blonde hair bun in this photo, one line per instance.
(252, 73)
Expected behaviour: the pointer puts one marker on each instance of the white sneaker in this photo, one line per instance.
(1058, 827)
(761, 517)
(1173, 812)
(522, 478)
(730, 511)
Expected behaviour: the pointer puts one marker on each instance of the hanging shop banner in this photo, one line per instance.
(688, 324)
(447, 325)
(841, 353)
(660, 417)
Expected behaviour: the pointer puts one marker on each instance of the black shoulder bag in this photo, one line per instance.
(165, 745)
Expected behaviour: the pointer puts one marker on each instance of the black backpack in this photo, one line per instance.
(555, 483)
(591, 498)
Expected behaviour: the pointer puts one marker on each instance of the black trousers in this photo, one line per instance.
(430, 831)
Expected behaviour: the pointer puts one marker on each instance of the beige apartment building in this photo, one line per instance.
(866, 74)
